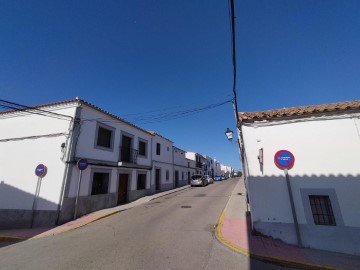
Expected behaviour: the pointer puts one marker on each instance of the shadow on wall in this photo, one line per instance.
(325, 207)
(16, 205)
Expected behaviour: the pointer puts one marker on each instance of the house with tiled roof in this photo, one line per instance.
(163, 164)
(302, 174)
(56, 136)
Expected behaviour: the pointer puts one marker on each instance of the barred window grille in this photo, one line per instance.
(321, 210)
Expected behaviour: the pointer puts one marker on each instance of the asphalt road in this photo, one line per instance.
(172, 232)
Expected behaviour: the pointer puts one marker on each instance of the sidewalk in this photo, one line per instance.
(33, 233)
(234, 230)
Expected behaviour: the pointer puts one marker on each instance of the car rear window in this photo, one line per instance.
(196, 177)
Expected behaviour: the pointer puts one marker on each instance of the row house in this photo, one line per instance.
(162, 163)
(182, 169)
(227, 171)
(57, 136)
(124, 163)
(200, 162)
(217, 167)
(209, 169)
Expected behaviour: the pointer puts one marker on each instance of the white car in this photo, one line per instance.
(209, 179)
(198, 180)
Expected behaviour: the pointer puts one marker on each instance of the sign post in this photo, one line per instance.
(82, 164)
(285, 160)
(40, 172)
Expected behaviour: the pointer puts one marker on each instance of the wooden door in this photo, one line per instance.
(122, 188)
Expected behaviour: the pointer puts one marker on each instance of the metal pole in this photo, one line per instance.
(293, 209)
(37, 191)
(77, 194)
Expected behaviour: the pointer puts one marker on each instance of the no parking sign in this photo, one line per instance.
(284, 159)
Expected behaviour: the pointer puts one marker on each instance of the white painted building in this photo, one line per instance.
(182, 170)
(324, 180)
(199, 161)
(58, 135)
(226, 170)
(125, 162)
(163, 160)
(209, 168)
(217, 168)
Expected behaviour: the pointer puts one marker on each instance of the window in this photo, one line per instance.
(158, 148)
(168, 149)
(142, 148)
(321, 210)
(141, 181)
(100, 183)
(182, 175)
(167, 175)
(104, 137)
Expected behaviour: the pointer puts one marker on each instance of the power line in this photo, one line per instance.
(162, 117)
(32, 110)
(233, 52)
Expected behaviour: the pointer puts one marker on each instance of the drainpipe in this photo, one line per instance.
(67, 157)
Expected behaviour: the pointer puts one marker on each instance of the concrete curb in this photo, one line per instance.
(4, 238)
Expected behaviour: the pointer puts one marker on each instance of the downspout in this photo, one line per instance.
(67, 158)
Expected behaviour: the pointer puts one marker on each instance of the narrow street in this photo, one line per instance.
(176, 231)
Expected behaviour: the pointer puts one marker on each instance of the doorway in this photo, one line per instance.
(122, 188)
(157, 179)
(176, 178)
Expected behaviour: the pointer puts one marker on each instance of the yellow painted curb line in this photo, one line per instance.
(246, 252)
(11, 238)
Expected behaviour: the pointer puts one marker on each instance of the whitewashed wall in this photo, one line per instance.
(326, 151)
(19, 158)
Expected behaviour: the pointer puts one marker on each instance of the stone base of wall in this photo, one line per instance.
(86, 204)
(342, 239)
(18, 218)
(133, 195)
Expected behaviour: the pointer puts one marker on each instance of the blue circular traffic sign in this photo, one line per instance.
(82, 164)
(284, 159)
(40, 170)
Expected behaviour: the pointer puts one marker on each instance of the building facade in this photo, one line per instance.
(323, 182)
(124, 163)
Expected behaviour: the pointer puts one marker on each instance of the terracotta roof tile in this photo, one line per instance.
(299, 111)
(81, 101)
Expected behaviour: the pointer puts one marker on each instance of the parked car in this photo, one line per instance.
(209, 179)
(217, 178)
(198, 180)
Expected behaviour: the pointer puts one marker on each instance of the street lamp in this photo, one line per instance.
(229, 135)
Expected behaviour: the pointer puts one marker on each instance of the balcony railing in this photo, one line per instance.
(198, 165)
(128, 155)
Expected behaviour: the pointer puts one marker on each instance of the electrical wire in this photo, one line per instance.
(32, 110)
(161, 117)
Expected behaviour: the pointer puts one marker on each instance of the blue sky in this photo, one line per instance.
(133, 56)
